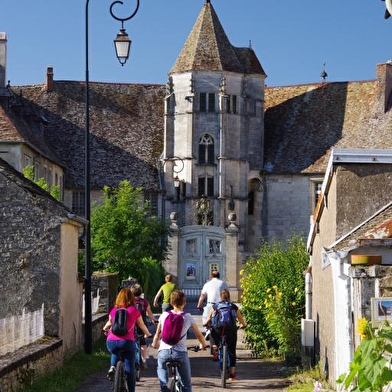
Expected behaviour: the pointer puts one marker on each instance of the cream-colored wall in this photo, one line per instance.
(70, 289)
(322, 299)
(19, 155)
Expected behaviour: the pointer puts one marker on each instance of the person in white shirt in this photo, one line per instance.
(211, 293)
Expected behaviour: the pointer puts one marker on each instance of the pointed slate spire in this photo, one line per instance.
(207, 48)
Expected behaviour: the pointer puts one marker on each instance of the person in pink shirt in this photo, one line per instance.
(125, 344)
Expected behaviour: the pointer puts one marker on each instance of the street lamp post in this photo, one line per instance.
(122, 46)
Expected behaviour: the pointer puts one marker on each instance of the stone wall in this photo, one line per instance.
(30, 247)
(18, 370)
(287, 206)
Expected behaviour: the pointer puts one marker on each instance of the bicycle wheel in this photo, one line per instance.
(175, 384)
(137, 361)
(119, 378)
(137, 372)
(172, 385)
(225, 369)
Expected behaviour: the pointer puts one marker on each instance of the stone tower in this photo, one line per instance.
(213, 155)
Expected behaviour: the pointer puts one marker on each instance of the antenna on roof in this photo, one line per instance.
(323, 74)
(208, 1)
(250, 44)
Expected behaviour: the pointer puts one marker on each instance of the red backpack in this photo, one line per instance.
(172, 328)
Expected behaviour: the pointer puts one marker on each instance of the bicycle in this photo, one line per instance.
(175, 383)
(223, 361)
(138, 356)
(223, 357)
(120, 377)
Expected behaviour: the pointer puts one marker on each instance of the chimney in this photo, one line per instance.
(49, 79)
(384, 76)
(3, 58)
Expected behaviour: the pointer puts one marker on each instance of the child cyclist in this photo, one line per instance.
(115, 344)
(230, 329)
(179, 351)
(145, 309)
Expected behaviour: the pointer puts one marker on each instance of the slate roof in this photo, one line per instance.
(126, 125)
(303, 123)
(207, 48)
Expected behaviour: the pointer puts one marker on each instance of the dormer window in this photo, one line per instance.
(206, 150)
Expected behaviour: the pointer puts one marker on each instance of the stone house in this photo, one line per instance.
(353, 217)
(39, 261)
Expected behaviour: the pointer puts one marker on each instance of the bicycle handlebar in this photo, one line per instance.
(197, 348)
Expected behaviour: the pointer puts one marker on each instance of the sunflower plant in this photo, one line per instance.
(370, 369)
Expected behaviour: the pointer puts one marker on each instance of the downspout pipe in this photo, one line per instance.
(342, 310)
(308, 292)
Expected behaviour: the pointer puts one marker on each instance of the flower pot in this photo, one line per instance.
(366, 259)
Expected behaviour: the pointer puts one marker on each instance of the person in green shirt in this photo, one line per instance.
(167, 288)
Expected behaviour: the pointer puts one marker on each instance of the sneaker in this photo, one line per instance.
(215, 356)
(144, 365)
(232, 377)
(165, 389)
(110, 375)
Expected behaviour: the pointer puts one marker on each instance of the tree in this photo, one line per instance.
(273, 299)
(126, 238)
(53, 190)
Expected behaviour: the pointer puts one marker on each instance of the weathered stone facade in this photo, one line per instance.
(38, 252)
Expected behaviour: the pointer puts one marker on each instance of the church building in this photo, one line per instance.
(213, 153)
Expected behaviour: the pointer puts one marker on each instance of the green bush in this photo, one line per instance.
(53, 190)
(273, 301)
(127, 239)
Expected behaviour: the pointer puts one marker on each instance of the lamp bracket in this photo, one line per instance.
(122, 20)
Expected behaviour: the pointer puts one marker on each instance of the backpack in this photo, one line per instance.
(172, 328)
(224, 315)
(141, 306)
(119, 325)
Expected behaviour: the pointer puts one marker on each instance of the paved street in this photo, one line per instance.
(253, 374)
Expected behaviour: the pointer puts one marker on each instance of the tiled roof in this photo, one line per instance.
(378, 227)
(126, 125)
(303, 123)
(24, 125)
(207, 48)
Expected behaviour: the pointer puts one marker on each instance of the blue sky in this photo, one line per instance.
(292, 39)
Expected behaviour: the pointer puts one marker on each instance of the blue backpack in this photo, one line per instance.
(224, 315)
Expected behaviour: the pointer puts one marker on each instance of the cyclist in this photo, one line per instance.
(229, 330)
(166, 289)
(179, 351)
(145, 309)
(210, 293)
(124, 344)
